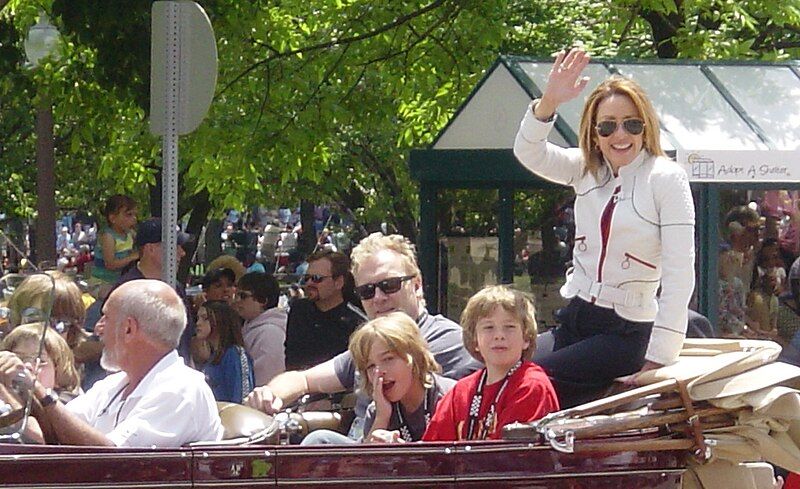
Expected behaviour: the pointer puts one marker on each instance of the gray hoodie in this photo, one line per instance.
(263, 339)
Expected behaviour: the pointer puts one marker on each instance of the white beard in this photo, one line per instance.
(108, 363)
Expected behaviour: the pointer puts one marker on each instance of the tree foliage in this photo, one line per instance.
(319, 100)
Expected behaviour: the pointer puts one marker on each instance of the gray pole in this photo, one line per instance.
(169, 185)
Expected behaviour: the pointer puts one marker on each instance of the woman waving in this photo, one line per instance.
(633, 265)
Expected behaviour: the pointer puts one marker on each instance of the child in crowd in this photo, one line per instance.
(398, 371)
(114, 250)
(56, 367)
(769, 278)
(500, 331)
(218, 350)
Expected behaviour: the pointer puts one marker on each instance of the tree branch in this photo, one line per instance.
(403, 19)
(628, 25)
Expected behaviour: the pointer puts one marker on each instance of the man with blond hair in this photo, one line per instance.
(387, 280)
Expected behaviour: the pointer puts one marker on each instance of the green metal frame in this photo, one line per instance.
(499, 169)
(467, 169)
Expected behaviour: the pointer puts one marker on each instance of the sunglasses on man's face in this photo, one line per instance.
(388, 286)
(315, 278)
(633, 127)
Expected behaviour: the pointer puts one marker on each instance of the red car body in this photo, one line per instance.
(501, 464)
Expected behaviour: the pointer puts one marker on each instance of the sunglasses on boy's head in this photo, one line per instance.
(633, 127)
(316, 278)
(388, 286)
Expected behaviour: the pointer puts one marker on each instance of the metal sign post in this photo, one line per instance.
(182, 81)
(169, 151)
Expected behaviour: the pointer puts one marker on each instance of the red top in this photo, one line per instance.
(528, 396)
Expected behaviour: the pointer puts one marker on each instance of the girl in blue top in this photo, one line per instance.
(114, 250)
(218, 350)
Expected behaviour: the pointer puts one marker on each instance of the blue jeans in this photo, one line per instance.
(326, 437)
(591, 347)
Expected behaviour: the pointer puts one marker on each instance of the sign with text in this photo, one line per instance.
(740, 166)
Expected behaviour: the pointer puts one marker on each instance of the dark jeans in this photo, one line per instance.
(591, 347)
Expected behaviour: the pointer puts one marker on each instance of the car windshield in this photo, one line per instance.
(29, 309)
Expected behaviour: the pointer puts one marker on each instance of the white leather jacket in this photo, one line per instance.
(650, 235)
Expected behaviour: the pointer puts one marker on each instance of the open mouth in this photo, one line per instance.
(387, 386)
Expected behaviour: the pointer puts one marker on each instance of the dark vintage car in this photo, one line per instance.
(502, 464)
(262, 460)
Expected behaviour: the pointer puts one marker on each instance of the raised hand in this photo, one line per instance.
(564, 82)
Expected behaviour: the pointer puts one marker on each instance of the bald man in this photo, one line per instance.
(153, 399)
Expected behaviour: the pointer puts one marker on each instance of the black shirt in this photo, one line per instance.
(314, 336)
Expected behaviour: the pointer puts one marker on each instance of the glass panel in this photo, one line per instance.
(570, 111)
(758, 264)
(771, 96)
(468, 253)
(543, 240)
(469, 250)
(692, 109)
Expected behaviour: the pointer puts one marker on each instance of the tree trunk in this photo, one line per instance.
(155, 195)
(45, 186)
(665, 29)
(308, 238)
(201, 207)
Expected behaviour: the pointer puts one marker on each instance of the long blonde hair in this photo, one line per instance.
(402, 336)
(616, 85)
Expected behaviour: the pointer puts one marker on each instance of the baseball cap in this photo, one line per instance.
(149, 231)
(216, 274)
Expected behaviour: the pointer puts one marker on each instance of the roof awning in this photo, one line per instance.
(705, 107)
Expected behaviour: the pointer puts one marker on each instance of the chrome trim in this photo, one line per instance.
(571, 475)
(502, 448)
(113, 485)
(35, 457)
(415, 450)
(237, 483)
(372, 481)
(258, 453)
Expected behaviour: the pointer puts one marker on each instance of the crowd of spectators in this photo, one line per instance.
(759, 267)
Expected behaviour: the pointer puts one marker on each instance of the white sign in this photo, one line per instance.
(740, 166)
(194, 50)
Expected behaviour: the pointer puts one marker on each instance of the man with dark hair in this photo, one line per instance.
(264, 328)
(320, 325)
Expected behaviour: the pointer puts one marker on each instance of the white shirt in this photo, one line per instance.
(172, 406)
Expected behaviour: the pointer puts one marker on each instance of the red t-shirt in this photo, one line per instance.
(528, 396)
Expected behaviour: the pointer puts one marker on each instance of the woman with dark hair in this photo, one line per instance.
(218, 349)
(633, 259)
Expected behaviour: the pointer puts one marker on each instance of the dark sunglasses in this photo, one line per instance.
(388, 286)
(315, 278)
(631, 126)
